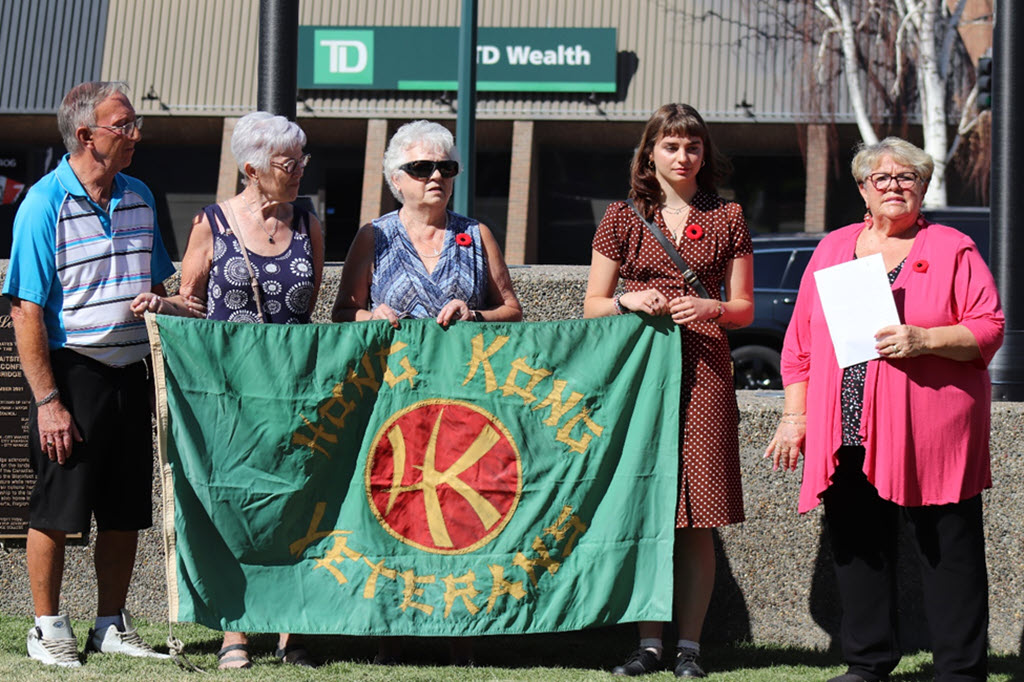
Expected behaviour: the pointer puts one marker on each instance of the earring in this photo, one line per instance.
(650, 164)
(868, 220)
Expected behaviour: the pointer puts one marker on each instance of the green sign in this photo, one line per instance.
(416, 58)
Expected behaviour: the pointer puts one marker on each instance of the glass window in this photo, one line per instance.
(796, 268)
(769, 267)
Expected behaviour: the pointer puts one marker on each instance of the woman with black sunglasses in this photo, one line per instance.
(423, 260)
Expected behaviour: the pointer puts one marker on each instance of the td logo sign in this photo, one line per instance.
(343, 57)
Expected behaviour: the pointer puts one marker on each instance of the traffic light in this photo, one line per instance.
(984, 83)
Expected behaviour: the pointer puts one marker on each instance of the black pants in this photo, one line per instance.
(951, 549)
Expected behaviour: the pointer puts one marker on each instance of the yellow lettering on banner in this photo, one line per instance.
(326, 410)
(360, 382)
(524, 392)
(580, 445)
(316, 434)
(501, 587)
(554, 401)
(377, 569)
(452, 592)
(544, 561)
(560, 528)
(390, 378)
(312, 534)
(482, 357)
(337, 554)
(410, 580)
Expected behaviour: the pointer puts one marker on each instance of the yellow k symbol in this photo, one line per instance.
(432, 479)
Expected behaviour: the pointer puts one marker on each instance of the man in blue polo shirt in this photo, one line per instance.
(85, 244)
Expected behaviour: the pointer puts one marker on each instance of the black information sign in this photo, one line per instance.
(16, 477)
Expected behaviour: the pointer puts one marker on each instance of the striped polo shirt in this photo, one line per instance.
(84, 265)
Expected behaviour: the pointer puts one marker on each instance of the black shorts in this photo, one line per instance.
(110, 473)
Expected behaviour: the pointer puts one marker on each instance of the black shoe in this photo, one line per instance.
(848, 677)
(687, 664)
(640, 662)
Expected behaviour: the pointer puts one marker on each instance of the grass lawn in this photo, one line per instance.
(573, 656)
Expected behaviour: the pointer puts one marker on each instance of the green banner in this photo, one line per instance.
(357, 479)
(426, 58)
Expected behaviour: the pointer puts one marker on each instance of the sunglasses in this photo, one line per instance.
(424, 169)
(292, 165)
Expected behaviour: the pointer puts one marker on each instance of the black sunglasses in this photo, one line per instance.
(425, 169)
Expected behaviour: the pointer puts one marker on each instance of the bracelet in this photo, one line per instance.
(50, 397)
(721, 311)
(794, 414)
(618, 306)
(787, 421)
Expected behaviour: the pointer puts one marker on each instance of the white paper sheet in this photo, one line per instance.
(857, 300)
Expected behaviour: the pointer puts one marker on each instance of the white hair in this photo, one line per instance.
(260, 135)
(79, 108)
(432, 137)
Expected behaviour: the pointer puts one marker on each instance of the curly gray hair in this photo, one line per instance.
(899, 150)
(430, 136)
(260, 135)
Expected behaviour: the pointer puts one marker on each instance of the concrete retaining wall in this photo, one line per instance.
(774, 585)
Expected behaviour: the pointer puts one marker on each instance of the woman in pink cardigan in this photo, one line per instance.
(904, 437)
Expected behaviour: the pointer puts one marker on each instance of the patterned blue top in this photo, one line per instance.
(286, 281)
(401, 280)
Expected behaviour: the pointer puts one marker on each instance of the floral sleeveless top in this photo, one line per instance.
(285, 281)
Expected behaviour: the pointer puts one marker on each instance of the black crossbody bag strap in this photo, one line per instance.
(688, 275)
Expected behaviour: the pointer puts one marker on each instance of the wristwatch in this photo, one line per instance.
(477, 317)
(721, 311)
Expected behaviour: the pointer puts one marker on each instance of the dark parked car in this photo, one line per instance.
(779, 262)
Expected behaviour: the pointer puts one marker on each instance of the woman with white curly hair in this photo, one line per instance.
(424, 260)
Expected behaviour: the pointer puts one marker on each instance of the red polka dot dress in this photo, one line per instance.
(710, 493)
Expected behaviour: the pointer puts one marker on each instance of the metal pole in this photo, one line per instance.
(1007, 242)
(465, 124)
(278, 57)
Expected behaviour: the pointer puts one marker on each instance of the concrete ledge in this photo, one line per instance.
(774, 584)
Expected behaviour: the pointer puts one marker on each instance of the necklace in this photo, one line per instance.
(262, 223)
(678, 229)
(665, 208)
(436, 252)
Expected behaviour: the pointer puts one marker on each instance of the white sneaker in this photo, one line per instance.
(57, 646)
(110, 640)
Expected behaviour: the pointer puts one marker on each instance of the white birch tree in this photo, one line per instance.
(923, 39)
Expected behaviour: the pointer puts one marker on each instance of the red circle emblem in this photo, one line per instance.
(443, 476)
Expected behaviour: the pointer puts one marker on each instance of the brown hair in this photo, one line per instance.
(677, 120)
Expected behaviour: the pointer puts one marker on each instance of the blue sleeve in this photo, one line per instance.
(160, 265)
(33, 265)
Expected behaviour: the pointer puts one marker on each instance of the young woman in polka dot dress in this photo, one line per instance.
(672, 181)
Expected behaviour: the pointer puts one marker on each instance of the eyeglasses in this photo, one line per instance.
(882, 181)
(292, 165)
(127, 129)
(425, 169)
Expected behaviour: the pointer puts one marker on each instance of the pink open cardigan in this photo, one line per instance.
(925, 426)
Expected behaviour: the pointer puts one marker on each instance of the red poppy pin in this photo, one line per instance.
(694, 231)
(463, 239)
(921, 266)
